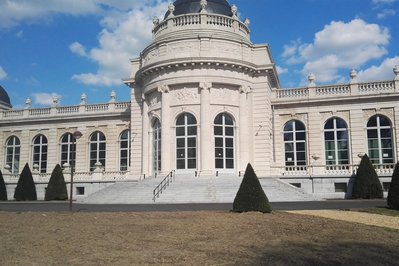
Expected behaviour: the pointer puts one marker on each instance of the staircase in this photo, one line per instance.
(190, 189)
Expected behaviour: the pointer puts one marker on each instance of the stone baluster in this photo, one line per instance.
(165, 132)
(205, 129)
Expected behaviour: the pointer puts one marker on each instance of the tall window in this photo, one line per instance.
(40, 153)
(379, 136)
(186, 142)
(68, 149)
(13, 150)
(124, 151)
(224, 141)
(295, 143)
(97, 149)
(336, 142)
(156, 146)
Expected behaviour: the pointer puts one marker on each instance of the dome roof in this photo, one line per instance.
(221, 7)
(4, 99)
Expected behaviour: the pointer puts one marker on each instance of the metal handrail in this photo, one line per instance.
(163, 185)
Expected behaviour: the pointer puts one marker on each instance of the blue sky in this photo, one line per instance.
(70, 47)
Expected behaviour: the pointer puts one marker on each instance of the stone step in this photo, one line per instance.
(189, 189)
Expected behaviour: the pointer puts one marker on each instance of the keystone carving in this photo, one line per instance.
(205, 85)
(163, 89)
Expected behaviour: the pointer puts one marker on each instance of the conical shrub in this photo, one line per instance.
(25, 189)
(393, 193)
(250, 196)
(366, 185)
(3, 190)
(56, 188)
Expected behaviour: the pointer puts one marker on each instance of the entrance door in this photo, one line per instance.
(186, 142)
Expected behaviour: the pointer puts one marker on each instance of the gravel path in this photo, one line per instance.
(356, 217)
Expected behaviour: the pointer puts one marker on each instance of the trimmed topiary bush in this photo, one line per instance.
(250, 196)
(393, 193)
(56, 188)
(3, 190)
(25, 189)
(367, 185)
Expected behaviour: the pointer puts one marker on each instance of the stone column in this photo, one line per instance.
(165, 131)
(205, 130)
(243, 126)
(145, 144)
(396, 72)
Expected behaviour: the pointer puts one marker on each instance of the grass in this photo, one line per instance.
(191, 238)
(380, 210)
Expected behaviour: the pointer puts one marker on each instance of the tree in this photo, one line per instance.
(393, 193)
(250, 196)
(25, 189)
(367, 185)
(56, 188)
(3, 190)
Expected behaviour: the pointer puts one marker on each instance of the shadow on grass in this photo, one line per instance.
(342, 253)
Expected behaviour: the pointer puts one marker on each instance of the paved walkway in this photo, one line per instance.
(63, 206)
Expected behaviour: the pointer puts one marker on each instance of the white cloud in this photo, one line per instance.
(386, 13)
(14, 12)
(338, 46)
(123, 36)
(381, 72)
(78, 49)
(378, 2)
(19, 34)
(281, 70)
(44, 98)
(3, 74)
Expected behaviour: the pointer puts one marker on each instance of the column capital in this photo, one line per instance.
(163, 88)
(245, 89)
(205, 85)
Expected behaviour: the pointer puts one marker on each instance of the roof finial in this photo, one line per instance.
(353, 75)
(312, 79)
(234, 10)
(171, 9)
(396, 71)
(203, 4)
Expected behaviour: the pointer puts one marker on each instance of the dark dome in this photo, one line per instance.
(4, 99)
(221, 7)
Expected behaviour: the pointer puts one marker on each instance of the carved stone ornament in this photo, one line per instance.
(155, 21)
(185, 94)
(203, 4)
(245, 89)
(163, 89)
(205, 85)
(234, 10)
(171, 9)
(247, 22)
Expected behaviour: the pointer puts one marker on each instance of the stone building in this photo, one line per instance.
(205, 101)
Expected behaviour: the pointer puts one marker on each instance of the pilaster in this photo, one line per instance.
(166, 129)
(146, 158)
(205, 130)
(244, 143)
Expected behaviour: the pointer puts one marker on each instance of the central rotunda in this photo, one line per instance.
(201, 94)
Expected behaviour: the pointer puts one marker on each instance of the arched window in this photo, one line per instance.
(295, 143)
(97, 149)
(13, 150)
(124, 151)
(186, 142)
(379, 136)
(224, 141)
(336, 142)
(40, 153)
(68, 149)
(156, 146)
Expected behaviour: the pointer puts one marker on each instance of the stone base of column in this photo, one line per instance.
(206, 173)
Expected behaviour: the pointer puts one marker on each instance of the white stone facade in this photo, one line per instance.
(206, 101)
